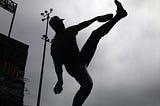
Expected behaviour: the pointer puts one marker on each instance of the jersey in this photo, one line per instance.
(64, 48)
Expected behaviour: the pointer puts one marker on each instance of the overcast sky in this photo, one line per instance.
(125, 68)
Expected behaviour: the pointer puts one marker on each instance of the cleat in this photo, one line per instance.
(120, 10)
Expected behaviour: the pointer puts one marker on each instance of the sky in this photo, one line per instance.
(125, 68)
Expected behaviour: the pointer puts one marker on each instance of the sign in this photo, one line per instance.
(8, 5)
(10, 70)
(13, 56)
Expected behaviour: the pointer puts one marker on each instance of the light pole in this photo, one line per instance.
(46, 39)
(10, 6)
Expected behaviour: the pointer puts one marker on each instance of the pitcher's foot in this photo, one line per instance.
(104, 18)
(121, 12)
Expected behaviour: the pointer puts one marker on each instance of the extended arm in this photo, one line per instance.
(58, 69)
(85, 24)
(102, 18)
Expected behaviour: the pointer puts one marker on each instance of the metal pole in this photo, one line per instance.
(45, 38)
(41, 76)
(10, 29)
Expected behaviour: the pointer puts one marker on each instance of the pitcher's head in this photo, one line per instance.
(57, 23)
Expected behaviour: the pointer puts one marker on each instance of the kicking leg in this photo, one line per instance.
(90, 46)
(105, 28)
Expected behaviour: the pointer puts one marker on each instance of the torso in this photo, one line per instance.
(64, 46)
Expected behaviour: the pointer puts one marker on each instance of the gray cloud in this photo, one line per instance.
(125, 68)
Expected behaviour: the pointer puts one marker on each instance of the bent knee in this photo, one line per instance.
(88, 85)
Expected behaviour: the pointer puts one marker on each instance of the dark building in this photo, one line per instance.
(13, 56)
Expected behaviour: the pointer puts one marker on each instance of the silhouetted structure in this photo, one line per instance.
(13, 55)
(64, 50)
(10, 6)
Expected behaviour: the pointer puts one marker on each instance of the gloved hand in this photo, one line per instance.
(104, 18)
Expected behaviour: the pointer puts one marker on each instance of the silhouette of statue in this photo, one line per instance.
(64, 50)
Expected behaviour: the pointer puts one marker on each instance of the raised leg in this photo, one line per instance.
(90, 46)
